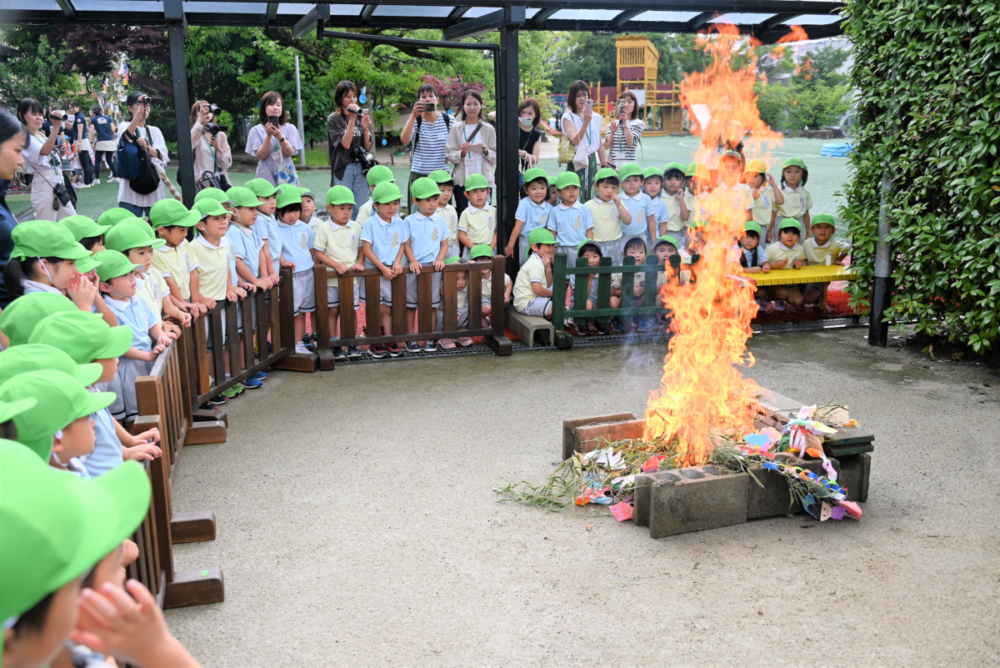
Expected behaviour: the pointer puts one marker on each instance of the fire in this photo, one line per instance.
(702, 391)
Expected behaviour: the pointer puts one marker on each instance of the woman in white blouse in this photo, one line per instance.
(471, 147)
(583, 129)
(42, 159)
(624, 132)
(212, 154)
(150, 139)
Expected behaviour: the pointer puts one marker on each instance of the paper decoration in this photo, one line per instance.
(622, 511)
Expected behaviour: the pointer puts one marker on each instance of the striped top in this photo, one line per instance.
(429, 153)
(621, 152)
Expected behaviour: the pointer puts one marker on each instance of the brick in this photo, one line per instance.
(589, 437)
(703, 498)
(643, 489)
(569, 429)
(773, 499)
(854, 473)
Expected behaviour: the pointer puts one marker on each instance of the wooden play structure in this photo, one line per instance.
(637, 71)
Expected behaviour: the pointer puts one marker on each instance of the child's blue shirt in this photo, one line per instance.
(533, 215)
(425, 234)
(640, 207)
(570, 223)
(385, 238)
(107, 452)
(135, 313)
(296, 242)
(246, 243)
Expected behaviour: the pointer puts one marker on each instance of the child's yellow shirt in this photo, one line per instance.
(675, 223)
(339, 243)
(797, 203)
(833, 249)
(213, 266)
(176, 263)
(479, 224)
(778, 251)
(451, 219)
(607, 222)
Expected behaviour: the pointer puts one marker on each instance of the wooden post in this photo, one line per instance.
(498, 340)
(558, 292)
(321, 318)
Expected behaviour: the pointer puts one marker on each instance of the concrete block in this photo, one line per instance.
(774, 498)
(591, 436)
(569, 429)
(527, 327)
(854, 473)
(643, 493)
(703, 498)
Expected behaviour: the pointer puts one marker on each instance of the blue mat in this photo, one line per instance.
(836, 150)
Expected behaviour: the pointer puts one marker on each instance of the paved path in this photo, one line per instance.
(357, 525)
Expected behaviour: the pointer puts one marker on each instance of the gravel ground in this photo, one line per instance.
(357, 525)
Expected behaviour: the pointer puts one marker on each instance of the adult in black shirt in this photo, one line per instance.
(529, 115)
(81, 139)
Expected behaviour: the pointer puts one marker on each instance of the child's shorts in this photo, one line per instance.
(412, 290)
(126, 406)
(463, 319)
(680, 236)
(210, 342)
(385, 286)
(612, 250)
(333, 295)
(538, 307)
(570, 252)
(304, 292)
(454, 250)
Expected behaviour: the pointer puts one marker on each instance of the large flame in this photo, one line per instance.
(702, 391)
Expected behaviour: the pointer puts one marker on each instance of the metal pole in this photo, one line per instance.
(507, 84)
(878, 328)
(298, 113)
(178, 76)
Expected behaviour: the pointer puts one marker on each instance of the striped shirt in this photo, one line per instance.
(621, 152)
(429, 155)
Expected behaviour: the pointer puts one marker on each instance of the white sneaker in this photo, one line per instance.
(300, 348)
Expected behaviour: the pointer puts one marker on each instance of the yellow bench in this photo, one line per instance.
(817, 273)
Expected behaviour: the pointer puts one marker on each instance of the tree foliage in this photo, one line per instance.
(38, 71)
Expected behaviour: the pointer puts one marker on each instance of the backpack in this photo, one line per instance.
(420, 120)
(137, 167)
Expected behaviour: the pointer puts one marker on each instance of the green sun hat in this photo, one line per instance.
(114, 264)
(210, 207)
(589, 242)
(697, 170)
(240, 196)
(629, 169)
(652, 173)
(567, 179)
(424, 188)
(82, 227)
(438, 176)
(87, 264)
(698, 223)
(378, 175)
(824, 219)
(261, 188)
(453, 260)
(57, 526)
(20, 318)
(476, 182)
(627, 239)
(751, 226)
(212, 193)
(287, 196)
(552, 181)
(386, 192)
(606, 173)
(481, 250)
(541, 235)
(60, 400)
(83, 336)
(129, 234)
(666, 239)
(42, 238)
(535, 173)
(10, 409)
(169, 213)
(790, 224)
(795, 162)
(39, 357)
(675, 165)
(338, 195)
(112, 217)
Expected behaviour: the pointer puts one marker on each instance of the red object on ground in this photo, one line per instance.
(622, 511)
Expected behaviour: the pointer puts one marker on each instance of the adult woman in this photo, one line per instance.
(43, 162)
(12, 139)
(149, 139)
(529, 115)
(428, 129)
(212, 155)
(624, 132)
(274, 141)
(472, 147)
(583, 129)
(348, 128)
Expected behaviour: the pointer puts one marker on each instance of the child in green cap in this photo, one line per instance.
(673, 198)
(588, 250)
(267, 224)
(533, 286)
(787, 253)
(425, 251)
(766, 194)
(44, 259)
(253, 260)
(337, 245)
(532, 211)
(633, 246)
(482, 253)
(376, 176)
(753, 258)
(798, 200)
(570, 222)
(446, 209)
(383, 241)
(609, 213)
(822, 247)
(477, 223)
(174, 261)
(731, 199)
(553, 198)
(87, 232)
(640, 205)
(296, 254)
(697, 190)
(308, 216)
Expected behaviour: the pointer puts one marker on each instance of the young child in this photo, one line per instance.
(766, 193)
(383, 239)
(481, 253)
(308, 217)
(731, 199)
(665, 248)
(652, 185)
(118, 283)
(553, 198)
(428, 245)
(253, 261)
(532, 212)
(639, 204)
(797, 200)
(635, 247)
(446, 210)
(87, 232)
(589, 250)
(533, 286)
(296, 253)
(753, 258)
(477, 224)
(376, 176)
(44, 259)
(19, 319)
(697, 193)
(267, 225)
(674, 200)
(570, 222)
(822, 247)
(337, 245)
(787, 253)
(462, 304)
(609, 213)
(174, 261)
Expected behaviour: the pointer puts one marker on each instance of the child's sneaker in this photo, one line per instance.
(447, 344)
(377, 351)
(393, 349)
(300, 348)
(572, 330)
(353, 352)
(260, 375)
(339, 354)
(233, 391)
(214, 402)
(412, 347)
(616, 325)
(252, 384)
(430, 346)
(465, 341)
(641, 324)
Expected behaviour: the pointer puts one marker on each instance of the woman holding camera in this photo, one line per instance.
(350, 141)
(583, 130)
(212, 155)
(50, 197)
(428, 131)
(472, 147)
(624, 131)
(150, 140)
(274, 141)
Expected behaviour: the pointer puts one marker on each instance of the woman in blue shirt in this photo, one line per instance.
(12, 140)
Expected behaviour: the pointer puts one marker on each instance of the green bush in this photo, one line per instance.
(928, 108)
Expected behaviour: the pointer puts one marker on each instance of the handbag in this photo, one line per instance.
(566, 150)
(207, 180)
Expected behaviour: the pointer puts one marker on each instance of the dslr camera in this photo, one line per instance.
(214, 129)
(366, 159)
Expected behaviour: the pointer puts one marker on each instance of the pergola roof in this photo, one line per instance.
(767, 20)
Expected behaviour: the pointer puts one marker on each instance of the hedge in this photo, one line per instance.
(927, 76)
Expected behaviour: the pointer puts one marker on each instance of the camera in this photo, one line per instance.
(427, 107)
(214, 129)
(61, 196)
(366, 159)
(214, 110)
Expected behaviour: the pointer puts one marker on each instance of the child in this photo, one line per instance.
(267, 224)
(462, 304)
(765, 191)
(797, 200)
(675, 202)
(665, 248)
(307, 217)
(822, 247)
(119, 284)
(337, 245)
(553, 198)
(174, 261)
(212, 193)
(383, 238)
(634, 247)
(428, 244)
(639, 204)
(652, 185)
(698, 191)
(532, 211)
(589, 250)
(482, 253)
(253, 261)
(376, 176)
(609, 213)
(44, 259)
(570, 222)
(18, 320)
(296, 254)
(786, 253)
(87, 233)
(533, 286)
(446, 210)
(732, 200)
(477, 224)
(753, 259)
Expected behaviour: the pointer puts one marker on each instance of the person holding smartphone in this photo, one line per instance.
(583, 129)
(347, 128)
(426, 131)
(624, 131)
(472, 148)
(273, 142)
(43, 161)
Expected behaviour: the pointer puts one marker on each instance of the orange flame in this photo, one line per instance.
(702, 391)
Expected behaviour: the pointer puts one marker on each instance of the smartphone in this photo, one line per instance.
(590, 105)
(428, 107)
(364, 112)
(273, 120)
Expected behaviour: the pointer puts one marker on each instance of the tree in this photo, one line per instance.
(37, 71)
(594, 58)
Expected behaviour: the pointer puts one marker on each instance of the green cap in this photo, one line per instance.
(674, 165)
(40, 357)
(386, 192)
(378, 175)
(696, 223)
(697, 169)
(209, 207)
(606, 173)
(535, 173)
(795, 162)
(629, 169)
(424, 188)
(85, 337)
(56, 526)
(212, 193)
(480, 250)
(552, 181)
(20, 318)
(541, 235)
(129, 234)
(240, 196)
(824, 219)
(42, 238)
(453, 260)
(438, 176)
(567, 179)
(82, 227)
(751, 226)
(733, 154)
(340, 195)
(591, 243)
(652, 173)
(169, 212)
(261, 188)
(627, 239)
(475, 182)
(790, 223)
(287, 196)
(666, 239)
(87, 264)
(114, 264)
(60, 400)
(112, 217)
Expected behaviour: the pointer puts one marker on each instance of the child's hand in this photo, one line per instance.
(397, 269)
(82, 292)
(290, 265)
(235, 294)
(275, 279)
(546, 261)
(438, 265)
(388, 272)
(261, 284)
(358, 267)
(798, 264)
(756, 193)
(148, 436)
(156, 351)
(616, 198)
(130, 552)
(416, 267)
(205, 304)
(340, 268)
(164, 340)
(770, 179)
(766, 267)
(639, 291)
(508, 250)
(145, 452)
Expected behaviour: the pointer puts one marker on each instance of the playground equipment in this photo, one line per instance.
(661, 107)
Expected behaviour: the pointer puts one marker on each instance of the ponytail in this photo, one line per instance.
(19, 270)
